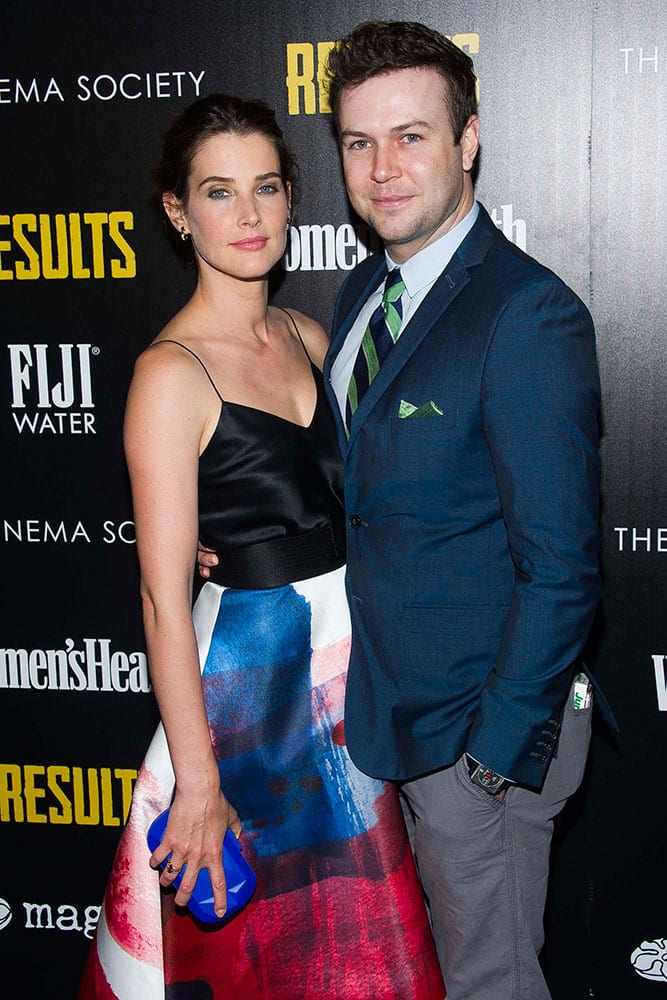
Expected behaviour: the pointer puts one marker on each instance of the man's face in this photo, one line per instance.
(405, 176)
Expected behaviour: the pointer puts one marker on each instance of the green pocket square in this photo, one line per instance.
(425, 410)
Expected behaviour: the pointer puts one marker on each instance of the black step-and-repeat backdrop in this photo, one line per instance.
(573, 169)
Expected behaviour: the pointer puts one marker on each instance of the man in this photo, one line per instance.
(471, 487)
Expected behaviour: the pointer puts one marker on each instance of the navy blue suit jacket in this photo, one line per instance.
(472, 536)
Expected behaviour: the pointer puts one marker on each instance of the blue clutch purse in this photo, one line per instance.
(239, 876)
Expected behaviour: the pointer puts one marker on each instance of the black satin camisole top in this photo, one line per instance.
(271, 494)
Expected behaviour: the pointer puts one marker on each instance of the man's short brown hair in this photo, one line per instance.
(376, 47)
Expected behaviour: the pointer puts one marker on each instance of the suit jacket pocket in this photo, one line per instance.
(419, 425)
(421, 449)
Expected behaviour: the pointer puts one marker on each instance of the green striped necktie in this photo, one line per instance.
(379, 337)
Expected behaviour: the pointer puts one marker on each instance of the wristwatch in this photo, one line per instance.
(488, 780)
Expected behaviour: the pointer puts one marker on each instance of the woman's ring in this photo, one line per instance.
(172, 869)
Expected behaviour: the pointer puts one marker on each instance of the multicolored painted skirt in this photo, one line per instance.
(338, 911)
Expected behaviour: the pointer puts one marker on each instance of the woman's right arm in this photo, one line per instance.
(167, 414)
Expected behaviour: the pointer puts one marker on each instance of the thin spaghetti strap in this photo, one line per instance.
(196, 357)
(297, 332)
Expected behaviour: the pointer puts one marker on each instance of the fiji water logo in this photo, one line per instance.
(5, 913)
(649, 960)
(52, 388)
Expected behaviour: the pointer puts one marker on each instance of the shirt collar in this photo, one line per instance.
(429, 263)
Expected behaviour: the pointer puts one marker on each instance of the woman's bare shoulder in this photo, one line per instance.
(169, 370)
(313, 335)
(173, 351)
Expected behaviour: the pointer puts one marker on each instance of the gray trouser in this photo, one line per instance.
(484, 866)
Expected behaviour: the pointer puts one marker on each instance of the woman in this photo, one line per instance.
(229, 439)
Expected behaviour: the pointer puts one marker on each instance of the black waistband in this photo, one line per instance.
(279, 561)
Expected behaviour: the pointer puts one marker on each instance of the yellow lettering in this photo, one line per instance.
(97, 221)
(10, 793)
(31, 793)
(94, 799)
(53, 773)
(468, 41)
(108, 818)
(5, 245)
(129, 268)
(323, 50)
(49, 270)
(31, 269)
(60, 251)
(81, 817)
(300, 77)
(76, 247)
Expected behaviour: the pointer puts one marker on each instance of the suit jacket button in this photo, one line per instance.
(355, 521)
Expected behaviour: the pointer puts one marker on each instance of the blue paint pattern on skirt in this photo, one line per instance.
(271, 732)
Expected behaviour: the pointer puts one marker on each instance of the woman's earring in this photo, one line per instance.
(184, 235)
(288, 222)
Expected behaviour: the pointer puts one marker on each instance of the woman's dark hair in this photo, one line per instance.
(217, 114)
(377, 47)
